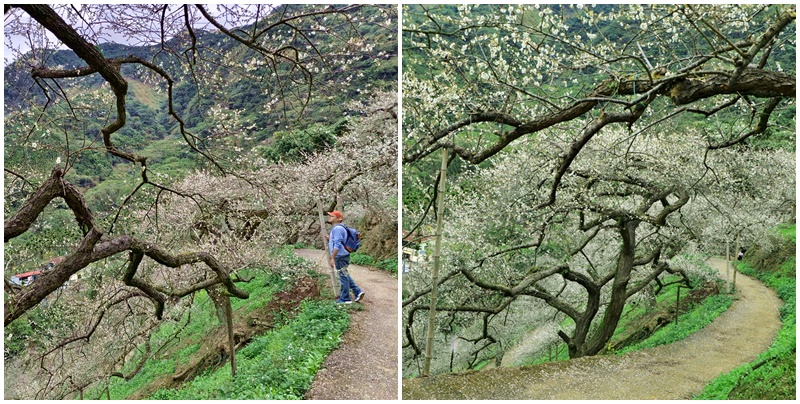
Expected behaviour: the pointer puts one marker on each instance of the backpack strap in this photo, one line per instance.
(346, 233)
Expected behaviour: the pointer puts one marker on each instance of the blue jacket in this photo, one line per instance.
(337, 239)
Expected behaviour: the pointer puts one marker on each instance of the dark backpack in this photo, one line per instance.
(352, 239)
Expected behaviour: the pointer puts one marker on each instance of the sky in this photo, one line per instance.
(110, 33)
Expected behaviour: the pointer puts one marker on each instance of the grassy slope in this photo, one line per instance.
(698, 316)
(277, 365)
(691, 319)
(388, 265)
(308, 337)
(773, 375)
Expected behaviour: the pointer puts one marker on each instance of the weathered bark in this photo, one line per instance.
(92, 249)
(586, 339)
(619, 289)
(53, 187)
(753, 82)
(49, 19)
(217, 296)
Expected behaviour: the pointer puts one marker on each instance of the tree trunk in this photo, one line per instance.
(577, 344)
(219, 299)
(231, 342)
(224, 312)
(584, 344)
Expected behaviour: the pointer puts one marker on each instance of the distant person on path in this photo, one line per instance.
(340, 259)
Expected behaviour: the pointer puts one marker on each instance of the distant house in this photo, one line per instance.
(25, 278)
(414, 254)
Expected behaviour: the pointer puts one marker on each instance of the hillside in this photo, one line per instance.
(773, 375)
(237, 90)
(588, 169)
(130, 237)
(675, 371)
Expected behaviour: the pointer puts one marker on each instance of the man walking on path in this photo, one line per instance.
(340, 259)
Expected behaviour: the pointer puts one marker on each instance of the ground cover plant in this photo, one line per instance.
(773, 376)
(388, 264)
(278, 365)
(191, 345)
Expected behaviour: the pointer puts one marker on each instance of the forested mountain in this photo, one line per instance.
(250, 94)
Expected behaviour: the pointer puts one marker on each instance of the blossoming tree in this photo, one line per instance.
(155, 241)
(595, 146)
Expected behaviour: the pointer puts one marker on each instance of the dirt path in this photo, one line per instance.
(674, 371)
(364, 367)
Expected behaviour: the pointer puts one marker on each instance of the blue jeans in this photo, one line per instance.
(345, 281)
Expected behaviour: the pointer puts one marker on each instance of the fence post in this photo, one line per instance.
(436, 263)
(728, 265)
(678, 305)
(736, 263)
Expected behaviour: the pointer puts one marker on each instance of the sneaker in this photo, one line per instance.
(339, 301)
(360, 295)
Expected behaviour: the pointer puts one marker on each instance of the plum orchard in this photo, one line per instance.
(601, 146)
(160, 242)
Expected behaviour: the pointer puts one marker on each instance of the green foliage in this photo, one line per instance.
(688, 323)
(361, 259)
(774, 374)
(191, 329)
(278, 365)
(34, 328)
(295, 145)
(389, 264)
(93, 164)
(307, 338)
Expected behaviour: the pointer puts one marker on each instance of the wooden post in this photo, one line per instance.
(231, 344)
(436, 263)
(678, 305)
(736, 263)
(728, 265)
(322, 235)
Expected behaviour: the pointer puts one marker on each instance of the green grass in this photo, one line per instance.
(181, 338)
(278, 365)
(389, 265)
(191, 329)
(688, 323)
(774, 374)
(691, 321)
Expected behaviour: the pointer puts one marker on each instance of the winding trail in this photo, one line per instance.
(364, 366)
(674, 371)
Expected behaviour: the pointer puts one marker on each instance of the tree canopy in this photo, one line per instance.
(596, 150)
